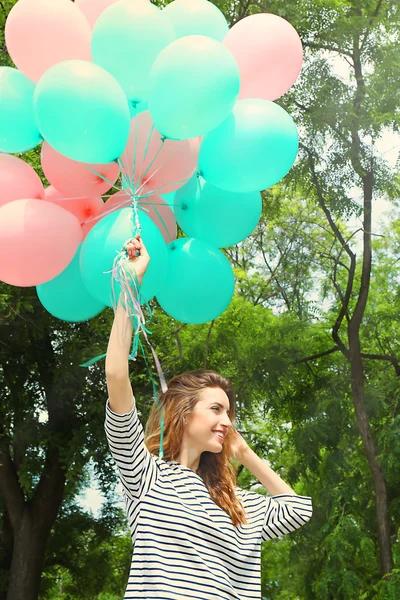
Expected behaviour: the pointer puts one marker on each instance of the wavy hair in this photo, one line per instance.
(216, 470)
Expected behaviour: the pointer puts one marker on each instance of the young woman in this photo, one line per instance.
(196, 534)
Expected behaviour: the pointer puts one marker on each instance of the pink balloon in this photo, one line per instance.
(84, 208)
(92, 9)
(42, 33)
(74, 178)
(38, 240)
(18, 180)
(151, 206)
(269, 54)
(175, 161)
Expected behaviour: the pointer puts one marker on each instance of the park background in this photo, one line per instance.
(311, 341)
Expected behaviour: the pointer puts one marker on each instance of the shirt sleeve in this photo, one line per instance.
(136, 465)
(285, 513)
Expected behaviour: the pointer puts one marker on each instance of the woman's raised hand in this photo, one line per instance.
(138, 256)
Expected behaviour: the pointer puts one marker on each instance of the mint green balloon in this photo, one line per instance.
(18, 129)
(193, 86)
(126, 39)
(216, 216)
(137, 107)
(104, 241)
(199, 283)
(65, 296)
(169, 199)
(82, 111)
(196, 17)
(252, 149)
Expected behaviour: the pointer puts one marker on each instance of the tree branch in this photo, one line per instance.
(385, 357)
(317, 46)
(318, 355)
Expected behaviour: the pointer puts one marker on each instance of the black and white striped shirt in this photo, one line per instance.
(185, 547)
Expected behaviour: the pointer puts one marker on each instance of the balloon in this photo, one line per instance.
(106, 239)
(126, 39)
(169, 199)
(136, 108)
(216, 216)
(252, 150)
(65, 296)
(74, 178)
(154, 206)
(155, 164)
(92, 9)
(82, 112)
(18, 180)
(199, 283)
(84, 208)
(37, 241)
(43, 33)
(191, 17)
(269, 53)
(193, 87)
(18, 128)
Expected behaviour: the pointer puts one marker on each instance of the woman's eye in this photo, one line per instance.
(215, 408)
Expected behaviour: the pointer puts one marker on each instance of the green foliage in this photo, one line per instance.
(291, 274)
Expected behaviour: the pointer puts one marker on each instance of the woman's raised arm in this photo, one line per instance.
(119, 387)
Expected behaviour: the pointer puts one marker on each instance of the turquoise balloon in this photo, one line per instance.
(199, 284)
(169, 199)
(126, 39)
(252, 149)
(18, 129)
(82, 112)
(194, 84)
(216, 216)
(65, 296)
(196, 17)
(104, 241)
(137, 107)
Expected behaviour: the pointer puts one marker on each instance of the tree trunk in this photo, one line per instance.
(27, 559)
(381, 500)
(6, 550)
(32, 522)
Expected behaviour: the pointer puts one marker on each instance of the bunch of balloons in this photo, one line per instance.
(148, 118)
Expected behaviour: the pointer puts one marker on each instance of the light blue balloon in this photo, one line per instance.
(218, 217)
(126, 39)
(169, 199)
(252, 149)
(199, 284)
(82, 111)
(194, 84)
(104, 241)
(65, 296)
(137, 107)
(18, 129)
(196, 17)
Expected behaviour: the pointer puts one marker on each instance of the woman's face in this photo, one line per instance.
(208, 425)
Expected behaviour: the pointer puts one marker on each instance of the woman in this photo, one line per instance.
(196, 535)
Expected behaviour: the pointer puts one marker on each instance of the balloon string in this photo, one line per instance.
(159, 190)
(145, 183)
(141, 175)
(129, 287)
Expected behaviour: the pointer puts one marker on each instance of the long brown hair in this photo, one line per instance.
(216, 470)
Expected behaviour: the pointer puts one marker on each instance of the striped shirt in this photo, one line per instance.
(185, 547)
